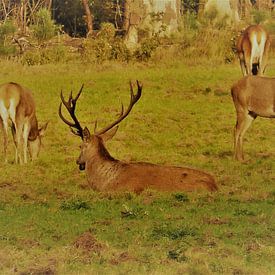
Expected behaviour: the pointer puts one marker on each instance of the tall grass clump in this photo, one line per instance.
(209, 37)
(213, 38)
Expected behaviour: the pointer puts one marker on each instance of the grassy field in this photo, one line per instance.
(51, 222)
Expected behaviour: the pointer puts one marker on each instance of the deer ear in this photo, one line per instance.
(42, 129)
(86, 135)
(109, 134)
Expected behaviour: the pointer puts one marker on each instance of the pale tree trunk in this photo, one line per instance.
(126, 21)
(48, 4)
(88, 16)
(23, 16)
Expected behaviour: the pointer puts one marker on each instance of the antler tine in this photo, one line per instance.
(70, 106)
(63, 118)
(133, 99)
(80, 91)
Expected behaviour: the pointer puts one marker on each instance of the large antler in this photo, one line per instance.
(133, 101)
(70, 106)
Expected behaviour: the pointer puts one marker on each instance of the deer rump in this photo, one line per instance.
(252, 46)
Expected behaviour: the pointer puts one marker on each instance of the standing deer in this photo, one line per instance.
(252, 96)
(252, 49)
(108, 174)
(17, 104)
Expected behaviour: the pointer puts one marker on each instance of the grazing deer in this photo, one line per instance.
(252, 96)
(17, 104)
(252, 49)
(108, 174)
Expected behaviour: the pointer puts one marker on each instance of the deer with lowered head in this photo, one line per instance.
(252, 48)
(106, 173)
(17, 105)
(252, 96)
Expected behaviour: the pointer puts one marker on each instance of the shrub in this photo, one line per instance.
(105, 46)
(45, 55)
(146, 49)
(44, 27)
(259, 16)
(7, 29)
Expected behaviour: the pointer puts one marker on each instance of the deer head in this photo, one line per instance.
(35, 143)
(93, 148)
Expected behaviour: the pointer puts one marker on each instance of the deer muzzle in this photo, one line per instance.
(81, 165)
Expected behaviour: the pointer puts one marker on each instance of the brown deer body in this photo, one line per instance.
(252, 49)
(17, 104)
(252, 96)
(105, 173)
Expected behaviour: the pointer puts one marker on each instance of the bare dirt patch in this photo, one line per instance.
(88, 243)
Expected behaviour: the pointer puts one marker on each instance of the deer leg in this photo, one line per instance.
(18, 142)
(5, 137)
(4, 115)
(26, 131)
(243, 67)
(249, 66)
(243, 123)
(263, 64)
(13, 131)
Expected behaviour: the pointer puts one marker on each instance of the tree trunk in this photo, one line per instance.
(126, 20)
(48, 4)
(88, 16)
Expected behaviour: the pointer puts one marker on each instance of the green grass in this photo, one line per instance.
(186, 118)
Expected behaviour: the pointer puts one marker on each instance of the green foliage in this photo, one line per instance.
(181, 197)
(146, 49)
(259, 16)
(44, 27)
(105, 46)
(167, 231)
(40, 56)
(7, 29)
(190, 21)
(177, 255)
(132, 212)
(74, 204)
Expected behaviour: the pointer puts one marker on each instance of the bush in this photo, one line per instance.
(44, 27)
(146, 49)
(259, 16)
(45, 55)
(105, 46)
(7, 29)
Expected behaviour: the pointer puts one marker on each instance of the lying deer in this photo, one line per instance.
(253, 96)
(17, 104)
(252, 49)
(108, 174)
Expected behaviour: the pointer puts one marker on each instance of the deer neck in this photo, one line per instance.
(34, 132)
(102, 169)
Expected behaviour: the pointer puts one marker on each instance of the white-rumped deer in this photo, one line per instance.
(252, 48)
(17, 104)
(108, 174)
(252, 96)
